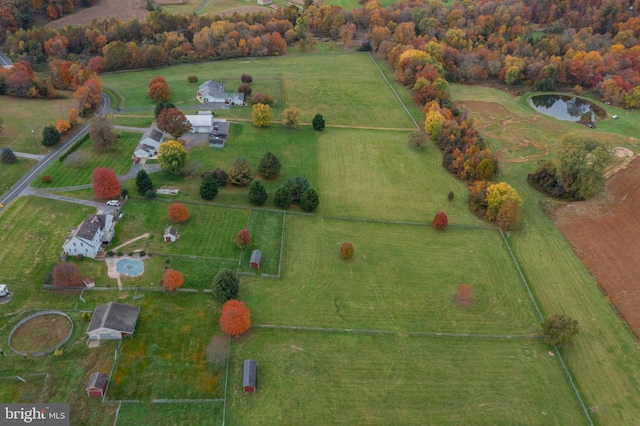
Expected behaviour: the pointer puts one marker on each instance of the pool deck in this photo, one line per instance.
(112, 272)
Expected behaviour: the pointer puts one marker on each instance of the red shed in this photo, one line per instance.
(97, 385)
(256, 257)
(249, 376)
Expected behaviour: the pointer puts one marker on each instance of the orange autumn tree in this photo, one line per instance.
(235, 318)
(177, 213)
(172, 279)
(105, 183)
(158, 89)
(347, 250)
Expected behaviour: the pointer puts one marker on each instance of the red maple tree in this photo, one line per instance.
(243, 238)
(235, 318)
(105, 183)
(174, 122)
(172, 279)
(177, 213)
(440, 220)
(347, 250)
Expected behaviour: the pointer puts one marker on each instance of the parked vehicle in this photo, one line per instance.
(4, 291)
(113, 203)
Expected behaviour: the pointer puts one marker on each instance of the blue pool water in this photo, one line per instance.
(130, 267)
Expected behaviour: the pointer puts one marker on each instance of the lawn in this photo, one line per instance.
(414, 292)
(333, 378)
(204, 414)
(78, 167)
(265, 228)
(11, 173)
(27, 114)
(359, 97)
(168, 347)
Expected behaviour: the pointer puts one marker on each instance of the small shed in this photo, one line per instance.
(171, 234)
(264, 2)
(97, 385)
(249, 376)
(89, 283)
(256, 257)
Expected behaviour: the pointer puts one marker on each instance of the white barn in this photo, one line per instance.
(113, 321)
(88, 237)
(202, 122)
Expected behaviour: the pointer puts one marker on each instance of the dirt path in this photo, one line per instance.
(605, 234)
(131, 241)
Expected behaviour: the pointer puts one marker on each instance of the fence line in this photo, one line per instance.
(284, 219)
(115, 421)
(185, 401)
(113, 367)
(34, 315)
(226, 381)
(555, 347)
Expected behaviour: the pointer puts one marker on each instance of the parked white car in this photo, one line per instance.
(113, 203)
(3, 290)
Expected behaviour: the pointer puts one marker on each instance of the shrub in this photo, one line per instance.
(318, 122)
(143, 182)
(282, 198)
(246, 78)
(7, 156)
(142, 253)
(309, 201)
(269, 166)
(150, 194)
(246, 89)
(241, 172)
(257, 194)
(417, 139)
(235, 318)
(79, 256)
(463, 295)
(262, 98)
(120, 253)
(110, 253)
(192, 79)
(67, 274)
(74, 147)
(347, 250)
(208, 187)
(46, 179)
(450, 196)
(291, 117)
(86, 316)
(558, 329)
(225, 285)
(440, 221)
(177, 213)
(172, 279)
(243, 238)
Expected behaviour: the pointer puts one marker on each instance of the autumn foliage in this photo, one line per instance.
(172, 279)
(243, 238)
(158, 89)
(347, 250)
(177, 213)
(235, 318)
(105, 183)
(463, 295)
(440, 221)
(67, 274)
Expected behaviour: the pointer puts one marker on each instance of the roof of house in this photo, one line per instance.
(97, 380)
(200, 120)
(156, 135)
(88, 228)
(256, 255)
(171, 230)
(212, 88)
(249, 373)
(115, 316)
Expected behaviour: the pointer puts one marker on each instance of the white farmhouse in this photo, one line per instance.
(149, 144)
(212, 92)
(87, 238)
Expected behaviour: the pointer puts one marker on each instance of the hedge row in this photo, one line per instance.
(73, 147)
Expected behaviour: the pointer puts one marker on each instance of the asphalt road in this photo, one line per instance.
(24, 181)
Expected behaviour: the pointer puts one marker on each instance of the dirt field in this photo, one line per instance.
(123, 10)
(605, 233)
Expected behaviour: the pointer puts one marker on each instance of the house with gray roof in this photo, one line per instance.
(113, 321)
(87, 238)
(213, 92)
(149, 144)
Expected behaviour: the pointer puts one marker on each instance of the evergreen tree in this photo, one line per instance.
(269, 166)
(7, 156)
(257, 193)
(282, 198)
(241, 172)
(296, 185)
(50, 136)
(318, 122)
(209, 187)
(309, 201)
(162, 105)
(226, 285)
(143, 182)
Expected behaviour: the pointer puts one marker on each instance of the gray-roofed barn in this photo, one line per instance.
(97, 385)
(249, 376)
(113, 321)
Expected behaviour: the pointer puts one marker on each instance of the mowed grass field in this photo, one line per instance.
(329, 378)
(604, 359)
(11, 173)
(205, 414)
(25, 113)
(358, 97)
(413, 292)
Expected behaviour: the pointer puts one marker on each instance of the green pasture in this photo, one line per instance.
(139, 120)
(168, 347)
(359, 97)
(26, 113)
(198, 273)
(605, 348)
(11, 173)
(330, 378)
(208, 232)
(402, 277)
(265, 228)
(73, 171)
(374, 174)
(205, 414)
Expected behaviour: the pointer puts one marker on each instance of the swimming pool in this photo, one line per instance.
(130, 267)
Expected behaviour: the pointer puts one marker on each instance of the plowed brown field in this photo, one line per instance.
(605, 234)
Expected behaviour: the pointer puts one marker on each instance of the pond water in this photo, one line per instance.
(130, 267)
(567, 108)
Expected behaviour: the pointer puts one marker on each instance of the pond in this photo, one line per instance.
(567, 108)
(130, 267)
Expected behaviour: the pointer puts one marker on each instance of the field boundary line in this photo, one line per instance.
(555, 347)
(475, 336)
(332, 330)
(226, 382)
(284, 220)
(115, 421)
(394, 91)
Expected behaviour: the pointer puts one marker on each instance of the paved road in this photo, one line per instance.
(24, 182)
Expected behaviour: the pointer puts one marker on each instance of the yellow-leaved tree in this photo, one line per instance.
(172, 156)
(261, 115)
(497, 195)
